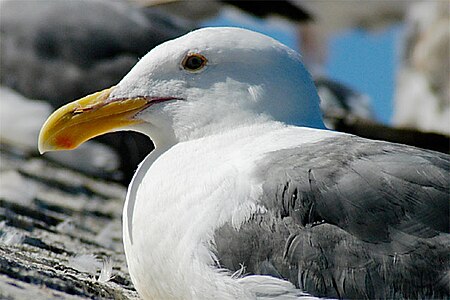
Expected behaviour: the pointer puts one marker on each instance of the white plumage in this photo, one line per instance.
(217, 134)
(220, 187)
(242, 199)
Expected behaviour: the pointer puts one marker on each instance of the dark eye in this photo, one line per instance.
(194, 62)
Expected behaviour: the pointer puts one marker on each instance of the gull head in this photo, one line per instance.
(204, 82)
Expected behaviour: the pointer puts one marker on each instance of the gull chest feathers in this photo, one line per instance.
(173, 247)
(190, 199)
(247, 195)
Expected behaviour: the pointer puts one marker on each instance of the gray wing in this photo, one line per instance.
(350, 218)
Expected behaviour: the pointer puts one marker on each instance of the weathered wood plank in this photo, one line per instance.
(56, 227)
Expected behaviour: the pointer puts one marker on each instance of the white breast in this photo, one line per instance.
(187, 193)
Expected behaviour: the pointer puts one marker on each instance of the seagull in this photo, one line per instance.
(58, 51)
(340, 101)
(247, 195)
(422, 96)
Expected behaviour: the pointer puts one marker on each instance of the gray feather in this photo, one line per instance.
(349, 218)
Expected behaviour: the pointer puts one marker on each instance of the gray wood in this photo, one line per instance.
(52, 214)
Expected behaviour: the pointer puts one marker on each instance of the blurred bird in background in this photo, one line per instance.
(422, 99)
(53, 50)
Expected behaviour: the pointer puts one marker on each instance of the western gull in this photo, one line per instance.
(422, 96)
(247, 196)
(340, 100)
(196, 11)
(59, 51)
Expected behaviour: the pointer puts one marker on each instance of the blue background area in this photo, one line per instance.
(365, 61)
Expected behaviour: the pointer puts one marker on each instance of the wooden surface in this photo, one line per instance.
(49, 216)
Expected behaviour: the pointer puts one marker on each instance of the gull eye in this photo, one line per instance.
(194, 62)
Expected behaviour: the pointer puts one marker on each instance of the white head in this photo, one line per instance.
(208, 80)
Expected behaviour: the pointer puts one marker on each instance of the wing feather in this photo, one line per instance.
(349, 217)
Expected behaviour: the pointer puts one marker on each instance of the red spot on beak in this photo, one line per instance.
(64, 142)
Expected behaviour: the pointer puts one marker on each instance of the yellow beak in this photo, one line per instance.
(94, 115)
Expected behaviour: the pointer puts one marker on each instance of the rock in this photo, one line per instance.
(52, 221)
